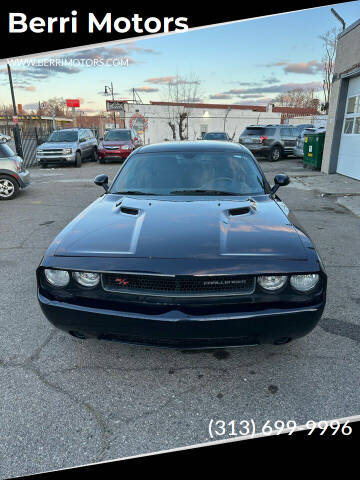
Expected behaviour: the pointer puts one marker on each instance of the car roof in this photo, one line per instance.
(192, 146)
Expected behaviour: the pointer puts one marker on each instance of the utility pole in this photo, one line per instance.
(111, 90)
(16, 129)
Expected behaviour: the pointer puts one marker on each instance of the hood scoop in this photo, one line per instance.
(234, 212)
(129, 210)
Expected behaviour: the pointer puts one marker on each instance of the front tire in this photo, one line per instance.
(275, 154)
(78, 160)
(9, 187)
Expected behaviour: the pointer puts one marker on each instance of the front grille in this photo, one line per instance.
(178, 286)
(54, 151)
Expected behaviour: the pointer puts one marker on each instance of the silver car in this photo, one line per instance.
(299, 149)
(13, 175)
(70, 145)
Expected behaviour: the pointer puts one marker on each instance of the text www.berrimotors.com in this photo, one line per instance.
(218, 428)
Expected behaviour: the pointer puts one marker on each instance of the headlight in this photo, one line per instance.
(304, 283)
(57, 278)
(125, 147)
(87, 279)
(66, 151)
(272, 282)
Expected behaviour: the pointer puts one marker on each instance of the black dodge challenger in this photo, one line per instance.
(189, 247)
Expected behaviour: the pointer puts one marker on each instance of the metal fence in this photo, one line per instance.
(31, 138)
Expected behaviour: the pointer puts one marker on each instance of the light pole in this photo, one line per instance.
(336, 15)
(16, 130)
(111, 90)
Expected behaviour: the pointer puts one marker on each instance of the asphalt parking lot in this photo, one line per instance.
(67, 402)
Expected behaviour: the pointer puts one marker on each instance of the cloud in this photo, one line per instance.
(275, 64)
(284, 87)
(271, 80)
(251, 95)
(171, 80)
(260, 101)
(220, 96)
(147, 89)
(312, 67)
(133, 47)
(234, 91)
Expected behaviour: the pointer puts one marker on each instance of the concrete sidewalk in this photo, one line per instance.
(345, 189)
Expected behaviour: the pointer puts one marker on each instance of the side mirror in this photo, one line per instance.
(102, 181)
(280, 181)
(101, 139)
(82, 140)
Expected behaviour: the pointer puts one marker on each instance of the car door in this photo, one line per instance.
(86, 146)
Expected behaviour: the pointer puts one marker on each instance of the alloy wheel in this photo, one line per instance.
(7, 188)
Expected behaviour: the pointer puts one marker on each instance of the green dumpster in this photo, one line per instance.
(313, 150)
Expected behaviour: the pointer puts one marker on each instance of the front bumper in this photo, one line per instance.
(111, 155)
(24, 178)
(44, 159)
(179, 330)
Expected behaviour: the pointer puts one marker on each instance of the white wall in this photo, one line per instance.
(158, 129)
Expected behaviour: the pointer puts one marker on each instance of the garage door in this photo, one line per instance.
(349, 152)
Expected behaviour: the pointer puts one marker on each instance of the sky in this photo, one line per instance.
(247, 62)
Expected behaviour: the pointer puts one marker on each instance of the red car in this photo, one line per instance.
(117, 144)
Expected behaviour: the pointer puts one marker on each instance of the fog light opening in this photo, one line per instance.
(282, 340)
(76, 334)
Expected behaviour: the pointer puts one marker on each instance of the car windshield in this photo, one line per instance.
(190, 173)
(63, 136)
(5, 151)
(215, 136)
(258, 131)
(117, 135)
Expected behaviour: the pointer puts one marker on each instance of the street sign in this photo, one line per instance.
(115, 106)
(74, 102)
(15, 119)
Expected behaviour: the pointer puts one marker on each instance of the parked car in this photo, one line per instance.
(189, 247)
(301, 127)
(273, 141)
(117, 144)
(217, 136)
(70, 145)
(13, 174)
(299, 149)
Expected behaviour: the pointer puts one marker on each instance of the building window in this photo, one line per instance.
(352, 103)
(348, 127)
(357, 125)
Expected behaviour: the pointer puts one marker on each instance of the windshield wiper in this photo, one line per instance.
(204, 192)
(132, 192)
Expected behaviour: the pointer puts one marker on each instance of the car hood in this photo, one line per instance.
(180, 227)
(50, 145)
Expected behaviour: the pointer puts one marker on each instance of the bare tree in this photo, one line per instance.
(6, 110)
(329, 44)
(180, 94)
(56, 104)
(298, 97)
